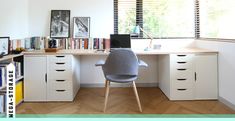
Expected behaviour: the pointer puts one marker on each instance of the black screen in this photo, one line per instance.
(120, 41)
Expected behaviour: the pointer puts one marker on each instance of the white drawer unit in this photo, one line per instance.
(186, 76)
(60, 73)
(59, 80)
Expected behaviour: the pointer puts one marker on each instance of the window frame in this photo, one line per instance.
(139, 17)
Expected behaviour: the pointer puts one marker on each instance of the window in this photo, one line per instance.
(159, 18)
(217, 19)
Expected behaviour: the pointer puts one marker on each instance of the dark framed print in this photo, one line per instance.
(81, 27)
(60, 24)
(4, 45)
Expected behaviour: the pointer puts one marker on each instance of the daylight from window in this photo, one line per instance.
(217, 19)
(161, 18)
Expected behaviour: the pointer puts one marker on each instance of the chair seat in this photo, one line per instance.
(121, 78)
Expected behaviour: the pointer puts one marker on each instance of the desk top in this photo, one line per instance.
(138, 52)
(9, 57)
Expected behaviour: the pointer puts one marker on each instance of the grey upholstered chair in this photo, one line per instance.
(121, 66)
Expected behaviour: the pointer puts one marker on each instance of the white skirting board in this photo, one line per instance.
(121, 85)
(226, 102)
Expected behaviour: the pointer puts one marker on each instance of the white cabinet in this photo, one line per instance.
(206, 86)
(188, 76)
(35, 85)
(61, 73)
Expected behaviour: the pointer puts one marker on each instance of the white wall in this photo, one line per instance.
(226, 62)
(100, 11)
(14, 18)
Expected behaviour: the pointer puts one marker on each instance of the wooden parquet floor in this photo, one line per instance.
(122, 101)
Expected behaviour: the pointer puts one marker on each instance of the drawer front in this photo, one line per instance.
(181, 94)
(182, 64)
(181, 57)
(59, 66)
(60, 59)
(182, 73)
(182, 83)
(58, 84)
(60, 95)
(60, 73)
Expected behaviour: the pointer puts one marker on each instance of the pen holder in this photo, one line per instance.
(157, 46)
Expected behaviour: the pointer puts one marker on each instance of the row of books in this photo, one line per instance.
(2, 104)
(38, 43)
(35, 43)
(18, 72)
(87, 43)
(3, 73)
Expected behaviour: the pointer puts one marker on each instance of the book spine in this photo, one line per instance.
(86, 43)
(107, 44)
(1, 81)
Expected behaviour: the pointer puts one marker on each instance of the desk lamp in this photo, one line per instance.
(137, 30)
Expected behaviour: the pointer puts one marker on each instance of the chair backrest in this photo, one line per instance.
(121, 62)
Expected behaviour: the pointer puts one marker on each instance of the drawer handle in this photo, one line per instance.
(60, 63)
(181, 69)
(181, 89)
(60, 80)
(60, 56)
(181, 62)
(60, 90)
(60, 70)
(181, 79)
(181, 55)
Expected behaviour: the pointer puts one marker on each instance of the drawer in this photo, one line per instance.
(181, 64)
(59, 66)
(60, 84)
(182, 83)
(60, 71)
(181, 73)
(181, 57)
(181, 94)
(60, 95)
(60, 58)
(61, 77)
(60, 74)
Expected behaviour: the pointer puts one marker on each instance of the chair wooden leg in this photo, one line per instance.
(137, 96)
(106, 82)
(106, 94)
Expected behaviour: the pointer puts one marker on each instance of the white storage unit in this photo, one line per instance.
(188, 76)
(61, 79)
(206, 86)
(35, 85)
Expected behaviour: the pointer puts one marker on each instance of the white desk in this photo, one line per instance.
(138, 52)
(174, 70)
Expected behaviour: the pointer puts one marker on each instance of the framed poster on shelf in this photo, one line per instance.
(60, 24)
(81, 27)
(4, 45)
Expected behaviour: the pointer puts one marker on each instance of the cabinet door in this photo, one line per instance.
(35, 78)
(206, 76)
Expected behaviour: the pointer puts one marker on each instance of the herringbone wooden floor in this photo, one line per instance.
(122, 101)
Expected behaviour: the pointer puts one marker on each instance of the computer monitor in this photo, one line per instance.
(120, 41)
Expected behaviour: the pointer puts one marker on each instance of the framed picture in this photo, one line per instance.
(4, 45)
(60, 24)
(81, 27)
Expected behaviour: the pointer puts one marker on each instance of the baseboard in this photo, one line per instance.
(226, 102)
(122, 85)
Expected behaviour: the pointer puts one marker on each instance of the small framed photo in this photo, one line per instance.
(60, 24)
(4, 45)
(81, 27)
